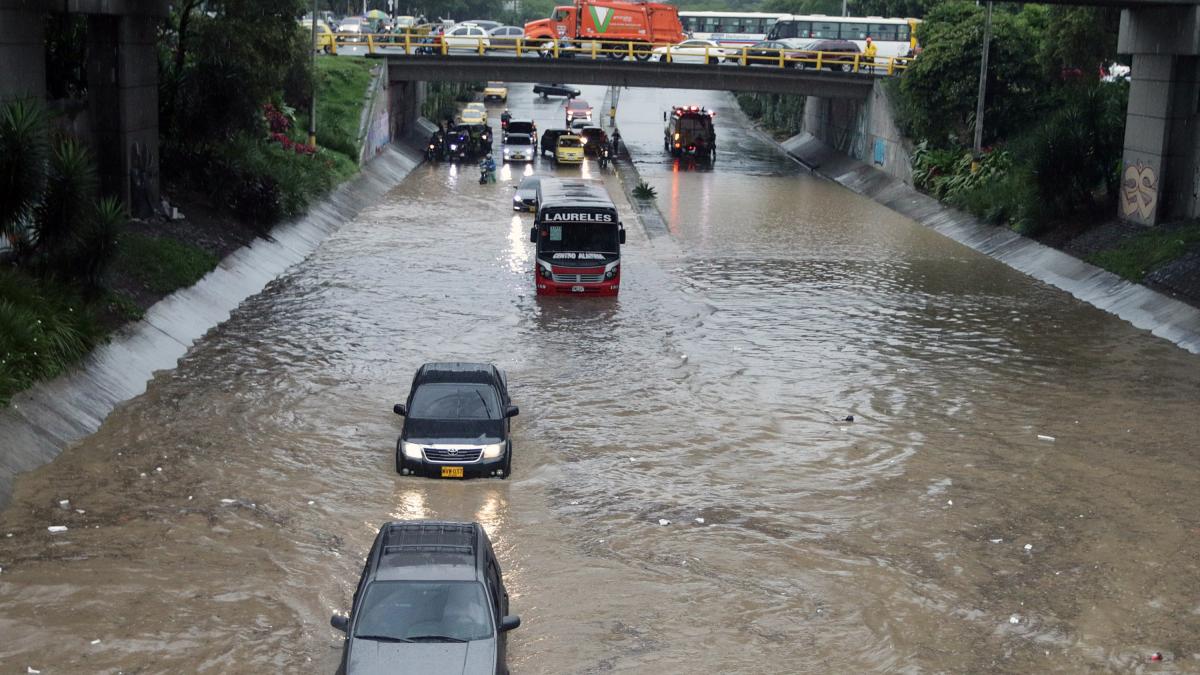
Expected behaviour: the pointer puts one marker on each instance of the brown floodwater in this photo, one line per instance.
(227, 510)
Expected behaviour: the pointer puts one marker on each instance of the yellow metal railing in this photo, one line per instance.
(423, 43)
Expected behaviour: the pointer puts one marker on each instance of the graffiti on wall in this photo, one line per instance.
(379, 131)
(1139, 191)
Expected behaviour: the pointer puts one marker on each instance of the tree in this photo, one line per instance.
(938, 92)
(1079, 37)
(228, 64)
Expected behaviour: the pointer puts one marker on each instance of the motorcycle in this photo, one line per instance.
(603, 157)
(487, 172)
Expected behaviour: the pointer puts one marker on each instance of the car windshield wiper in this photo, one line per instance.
(434, 638)
(382, 638)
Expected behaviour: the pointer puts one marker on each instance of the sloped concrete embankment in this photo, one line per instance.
(44, 420)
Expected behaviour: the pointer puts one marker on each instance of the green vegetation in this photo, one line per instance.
(644, 190)
(341, 83)
(237, 85)
(1052, 131)
(162, 265)
(236, 80)
(1134, 258)
(45, 326)
(781, 113)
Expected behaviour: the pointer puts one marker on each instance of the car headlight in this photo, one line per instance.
(412, 450)
(493, 451)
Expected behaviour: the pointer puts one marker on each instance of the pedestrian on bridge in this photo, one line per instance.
(869, 55)
(616, 143)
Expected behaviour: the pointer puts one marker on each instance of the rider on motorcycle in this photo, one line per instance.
(487, 170)
(504, 118)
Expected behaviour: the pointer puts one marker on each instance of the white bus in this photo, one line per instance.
(892, 37)
(728, 28)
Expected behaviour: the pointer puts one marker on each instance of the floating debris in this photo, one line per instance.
(663, 521)
(1014, 619)
(1028, 547)
(1044, 437)
(57, 528)
(700, 520)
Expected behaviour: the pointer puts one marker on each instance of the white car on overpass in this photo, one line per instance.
(466, 36)
(691, 51)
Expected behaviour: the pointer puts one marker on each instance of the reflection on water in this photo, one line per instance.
(713, 395)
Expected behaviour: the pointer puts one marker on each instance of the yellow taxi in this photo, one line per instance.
(495, 90)
(472, 116)
(568, 150)
(480, 107)
(324, 39)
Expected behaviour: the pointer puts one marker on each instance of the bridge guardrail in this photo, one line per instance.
(424, 44)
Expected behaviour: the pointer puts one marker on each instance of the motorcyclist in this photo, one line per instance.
(505, 117)
(436, 145)
(487, 170)
(616, 143)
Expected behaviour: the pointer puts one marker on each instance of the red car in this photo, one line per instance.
(578, 109)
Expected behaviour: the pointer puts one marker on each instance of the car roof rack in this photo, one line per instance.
(438, 539)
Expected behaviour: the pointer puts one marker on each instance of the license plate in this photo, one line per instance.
(577, 289)
(452, 472)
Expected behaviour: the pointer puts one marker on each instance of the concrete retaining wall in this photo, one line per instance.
(865, 130)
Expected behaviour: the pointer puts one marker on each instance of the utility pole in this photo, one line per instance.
(312, 112)
(983, 64)
(845, 8)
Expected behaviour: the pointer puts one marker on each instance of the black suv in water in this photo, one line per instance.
(431, 600)
(457, 422)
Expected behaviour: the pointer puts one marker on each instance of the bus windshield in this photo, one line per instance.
(577, 238)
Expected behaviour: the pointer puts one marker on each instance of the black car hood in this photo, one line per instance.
(369, 657)
(453, 431)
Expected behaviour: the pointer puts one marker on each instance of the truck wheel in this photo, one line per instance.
(642, 52)
(714, 61)
(846, 67)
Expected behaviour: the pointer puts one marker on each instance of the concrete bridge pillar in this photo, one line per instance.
(22, 51)
(123, 101)
(1160, 171)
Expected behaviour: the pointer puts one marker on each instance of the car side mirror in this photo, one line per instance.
(533, 235)
(342, 623)
(400, 409)
(510, 622)
(512, 411)
(621, 235)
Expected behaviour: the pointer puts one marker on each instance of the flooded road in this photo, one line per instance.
(227, 510)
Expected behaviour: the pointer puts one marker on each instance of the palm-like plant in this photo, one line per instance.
(23, 152)
(70, 195)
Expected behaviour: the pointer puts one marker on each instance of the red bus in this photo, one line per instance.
(578, 233)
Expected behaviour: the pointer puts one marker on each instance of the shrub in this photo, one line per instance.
(44, 328)
(23, 153)
(70, 193)
(644, 190)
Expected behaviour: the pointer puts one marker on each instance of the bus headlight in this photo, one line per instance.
(412, 450)
(493, 451)
(613, 271)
